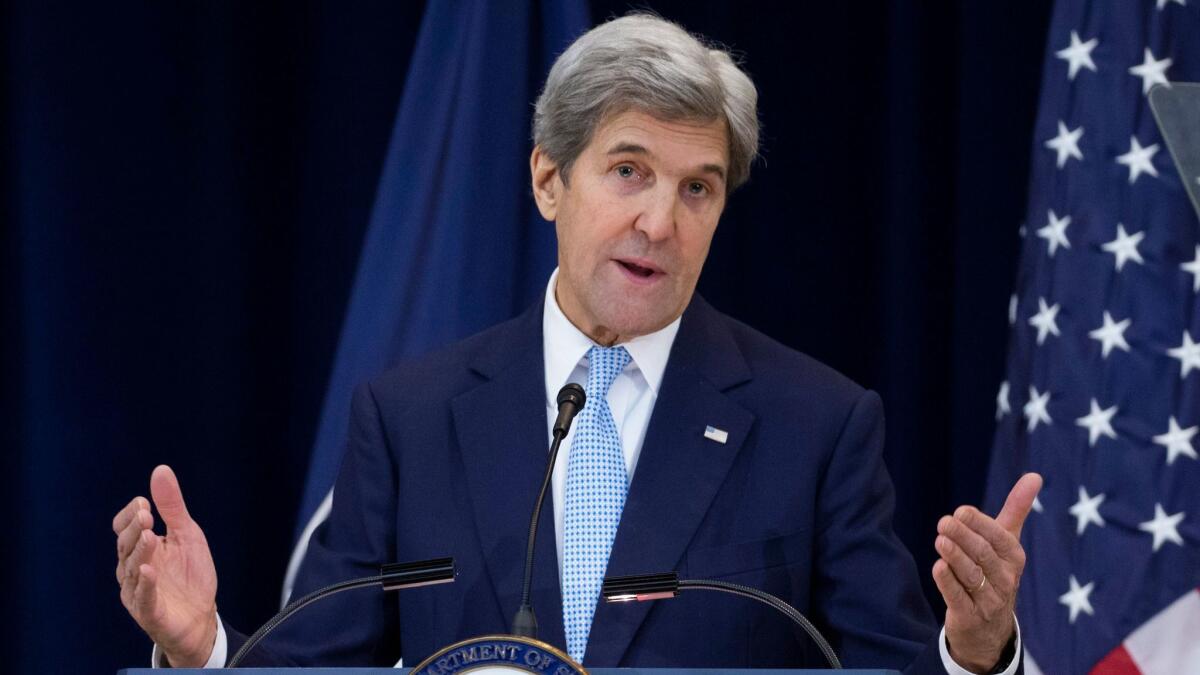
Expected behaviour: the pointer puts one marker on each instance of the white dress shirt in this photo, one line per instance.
(631, 398)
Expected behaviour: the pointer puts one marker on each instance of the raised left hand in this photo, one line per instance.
(978, 575)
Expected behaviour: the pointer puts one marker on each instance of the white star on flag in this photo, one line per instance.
(1193, 268)
(1012, 299)
(1177, 441)
(1002, 405)
(1055, 232)
(1035, 408)
(1164, 528)
(1124, 247)
(1087, 511)
(1098, 423)
(1078, 55)
(1113, 245)
(1111, 334)
(1066, 144)
(1077, 599)
(1046, 320)
(1151, 71)
(1138, 159)
(1188, 354)
(1037, 505)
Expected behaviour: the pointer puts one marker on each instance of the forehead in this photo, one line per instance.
(687, 144)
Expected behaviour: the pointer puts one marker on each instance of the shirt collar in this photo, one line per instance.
(565, 346)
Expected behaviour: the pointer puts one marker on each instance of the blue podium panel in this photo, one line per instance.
(592, 671)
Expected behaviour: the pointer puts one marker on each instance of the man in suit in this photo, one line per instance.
(704, 446)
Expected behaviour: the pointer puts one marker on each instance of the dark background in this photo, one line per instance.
(185, 187)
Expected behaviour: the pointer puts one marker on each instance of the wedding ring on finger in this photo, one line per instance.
(982, 583)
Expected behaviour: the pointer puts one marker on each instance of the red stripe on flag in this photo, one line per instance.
(1118, 662)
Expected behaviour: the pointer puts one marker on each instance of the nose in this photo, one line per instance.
(657, 219)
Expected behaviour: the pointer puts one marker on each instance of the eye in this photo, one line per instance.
(626, 171)
(697, 188)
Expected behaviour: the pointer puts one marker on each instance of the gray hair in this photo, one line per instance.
(645, 63)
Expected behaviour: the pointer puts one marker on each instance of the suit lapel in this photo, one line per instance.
(679, 471)
(501, 430)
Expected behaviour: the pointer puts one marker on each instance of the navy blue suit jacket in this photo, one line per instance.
(446, 454)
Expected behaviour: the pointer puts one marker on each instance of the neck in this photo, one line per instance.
(601, 335)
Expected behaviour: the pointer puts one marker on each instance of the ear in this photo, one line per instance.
(546, 182)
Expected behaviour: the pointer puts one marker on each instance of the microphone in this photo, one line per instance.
(392, 577)
(570, 401)
(642, 587)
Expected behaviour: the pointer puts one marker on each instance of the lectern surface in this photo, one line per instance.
(593, 671)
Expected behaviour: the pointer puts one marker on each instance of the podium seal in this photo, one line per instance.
(499, 654)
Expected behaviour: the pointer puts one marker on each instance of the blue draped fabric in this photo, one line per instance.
(454, 244)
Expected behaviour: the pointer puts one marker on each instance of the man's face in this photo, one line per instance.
(636, 221)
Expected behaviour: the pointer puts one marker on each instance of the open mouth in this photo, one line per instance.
(638, 270)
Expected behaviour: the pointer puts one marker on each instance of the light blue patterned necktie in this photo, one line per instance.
(594, 497)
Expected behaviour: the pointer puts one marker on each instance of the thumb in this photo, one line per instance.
(164, 489)
(1020, 500)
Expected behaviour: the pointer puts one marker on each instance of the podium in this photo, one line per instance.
(592, 671)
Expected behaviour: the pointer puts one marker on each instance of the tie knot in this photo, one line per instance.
(604, 364)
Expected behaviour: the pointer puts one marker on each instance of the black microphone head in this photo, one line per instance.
(572, 393)
(570, 402)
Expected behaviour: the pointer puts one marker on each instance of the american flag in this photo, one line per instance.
(1102, 389)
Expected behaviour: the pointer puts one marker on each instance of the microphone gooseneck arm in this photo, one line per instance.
(392, 577)
(643, 587)
(764, 597)
(525, 622)
(571, 399)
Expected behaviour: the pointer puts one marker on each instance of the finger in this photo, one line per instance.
(977, 548)
(969, 574)
(143, 551)
(128, 583)
(121, 520)
(125, 545)
(1019, 502)
(145, 594)
(987, 598)
(164, 488)
(1002, 541)
(953, 593)
(140, 522)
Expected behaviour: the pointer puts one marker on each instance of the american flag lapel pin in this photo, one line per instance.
(714, 434)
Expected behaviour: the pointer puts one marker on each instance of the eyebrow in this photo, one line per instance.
(635, 149)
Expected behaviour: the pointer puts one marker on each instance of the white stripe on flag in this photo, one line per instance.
(1169, 643)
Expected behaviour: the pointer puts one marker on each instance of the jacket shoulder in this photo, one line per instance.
(448, 371)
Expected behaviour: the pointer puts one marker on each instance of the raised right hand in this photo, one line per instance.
(168, 583)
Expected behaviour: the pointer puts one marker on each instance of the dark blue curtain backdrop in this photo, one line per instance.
(185, 189)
